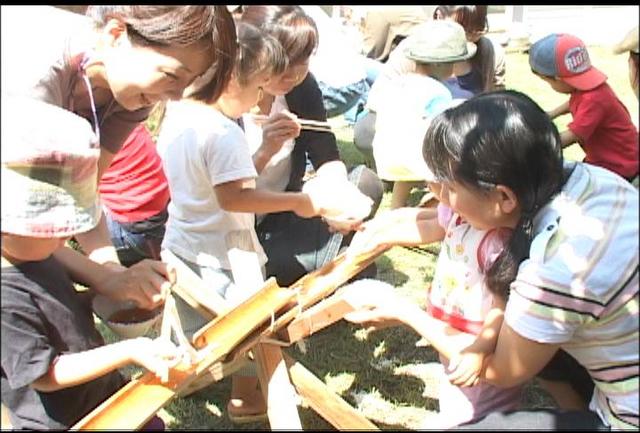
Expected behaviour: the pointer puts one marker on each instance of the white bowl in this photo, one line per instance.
(130, 325)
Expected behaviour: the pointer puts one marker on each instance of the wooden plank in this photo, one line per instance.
(318, 317)
(190, 287)
(278, 391)
(140, 399)
(326, 403)
(323, 282)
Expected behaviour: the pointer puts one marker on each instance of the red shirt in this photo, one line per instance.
(607, 135)
(134, 187)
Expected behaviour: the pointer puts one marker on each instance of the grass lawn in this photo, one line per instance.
(383, 374)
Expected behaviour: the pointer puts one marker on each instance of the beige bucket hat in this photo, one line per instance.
(439, 41)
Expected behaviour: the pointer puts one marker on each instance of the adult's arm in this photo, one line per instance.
(305, 101)
(96, 243)
(516, 359)
(146, 282)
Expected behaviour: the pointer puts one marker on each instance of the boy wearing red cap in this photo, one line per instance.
(601, 123)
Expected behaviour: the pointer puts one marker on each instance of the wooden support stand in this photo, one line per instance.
(237, 330)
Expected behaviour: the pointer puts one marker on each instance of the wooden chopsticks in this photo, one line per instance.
(308, 124)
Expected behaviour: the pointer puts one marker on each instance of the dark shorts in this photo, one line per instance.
(564, 368)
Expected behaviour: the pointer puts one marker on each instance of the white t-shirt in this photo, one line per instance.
(406, 108)
(201, 148)
(275, 175)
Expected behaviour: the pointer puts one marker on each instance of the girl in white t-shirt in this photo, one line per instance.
(211, 179)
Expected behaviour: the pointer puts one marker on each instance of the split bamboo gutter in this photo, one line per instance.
(135, 403)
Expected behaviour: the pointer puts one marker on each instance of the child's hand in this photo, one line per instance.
(157, 356)
(379, 232)
(375, 304)
(465, 368)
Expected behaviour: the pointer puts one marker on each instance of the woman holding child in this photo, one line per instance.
(572, 259)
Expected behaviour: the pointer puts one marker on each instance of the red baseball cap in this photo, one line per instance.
(566, 57)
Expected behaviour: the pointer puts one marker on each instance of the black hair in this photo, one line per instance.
(500, 138)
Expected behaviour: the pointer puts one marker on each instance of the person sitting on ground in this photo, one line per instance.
(56, 367)
(411, 100)
(483, 72)
(384, 27)
(572, 259)
(340, 71)
(486, 70)
(281, 150)
(600, 123)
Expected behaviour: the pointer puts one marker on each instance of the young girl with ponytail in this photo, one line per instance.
(569, 271)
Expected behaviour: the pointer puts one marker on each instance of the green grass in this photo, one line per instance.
(383, 374)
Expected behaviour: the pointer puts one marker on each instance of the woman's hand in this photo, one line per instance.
(147, 283)
(157, 356)
(277, 129)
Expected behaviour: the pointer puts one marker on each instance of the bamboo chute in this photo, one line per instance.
(237, 330)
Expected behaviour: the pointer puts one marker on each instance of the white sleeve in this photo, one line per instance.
(537, 321)
(227, 157)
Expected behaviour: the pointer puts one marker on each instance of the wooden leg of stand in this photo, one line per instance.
(278, 392)
(326, 403)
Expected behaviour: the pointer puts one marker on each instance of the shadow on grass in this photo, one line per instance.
(370, 363)
(388, 273)
(206, 410)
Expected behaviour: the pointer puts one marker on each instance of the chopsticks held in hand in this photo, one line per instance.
(308, 124)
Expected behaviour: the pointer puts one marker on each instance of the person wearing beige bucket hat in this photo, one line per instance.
(407, 103)
(630, 44)
(440, 42)
(55, 365)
